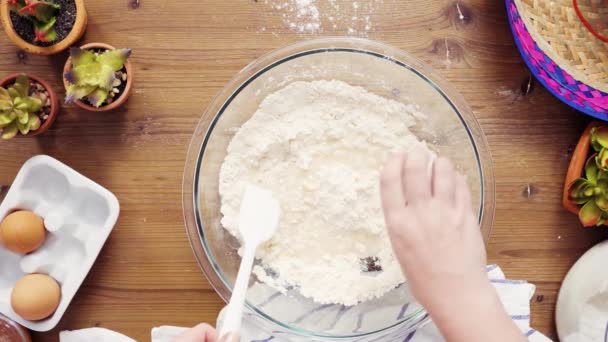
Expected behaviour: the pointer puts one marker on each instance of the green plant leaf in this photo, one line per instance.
(51, 35)
(45, 31)
(98, 97)
(94, 74)
(590, 214)
(80, 57)
(24, 128)
(29, 104)
(594, 143)
(9, 131)
(115, 59)
(602, 159)
(13, 93)
(21, 86)
(23, 118)
(75, 92)
(4, 95)
(6, 118)
(601, 136)
(5, 105)
(591, 169)
(602, 202)
(46, 11)
(582, 200)
(34, 122)
(576, 190)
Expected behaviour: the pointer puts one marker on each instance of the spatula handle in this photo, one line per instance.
(234, 312)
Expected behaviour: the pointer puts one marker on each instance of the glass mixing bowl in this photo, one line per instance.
(450, 129)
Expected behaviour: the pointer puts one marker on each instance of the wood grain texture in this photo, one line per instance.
(185, 51)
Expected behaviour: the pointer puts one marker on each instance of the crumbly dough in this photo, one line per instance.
(319, 147)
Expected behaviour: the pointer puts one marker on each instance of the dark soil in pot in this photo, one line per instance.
(65, 21)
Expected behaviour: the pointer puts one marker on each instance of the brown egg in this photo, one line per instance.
(22, 232)
(35, 297)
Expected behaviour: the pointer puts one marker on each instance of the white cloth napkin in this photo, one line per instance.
(514, 294)
(93, 335)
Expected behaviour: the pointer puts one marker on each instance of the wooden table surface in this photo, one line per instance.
(186, 51)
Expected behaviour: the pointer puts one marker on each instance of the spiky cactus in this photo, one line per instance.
(18, 109)
(93, 74)
(41, 14)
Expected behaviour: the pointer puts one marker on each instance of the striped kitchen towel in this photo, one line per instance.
(514, 294)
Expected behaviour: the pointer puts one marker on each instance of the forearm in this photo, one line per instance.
(475, 315)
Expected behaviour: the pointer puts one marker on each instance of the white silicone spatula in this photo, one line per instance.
(258, 221)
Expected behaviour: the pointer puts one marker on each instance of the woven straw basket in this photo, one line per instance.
(561, 34)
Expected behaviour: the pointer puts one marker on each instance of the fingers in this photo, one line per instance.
(416, 180)
(463, 194)
(200, 333)
(444, 180)
(391, 185)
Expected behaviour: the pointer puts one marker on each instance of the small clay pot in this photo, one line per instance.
(10, 79)
(80, 26)
(117, 101)
(577, 165)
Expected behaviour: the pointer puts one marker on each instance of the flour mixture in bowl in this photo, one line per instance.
(319, 147)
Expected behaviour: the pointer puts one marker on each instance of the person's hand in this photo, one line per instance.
(200, 333)
(436, 238)
(433, 229)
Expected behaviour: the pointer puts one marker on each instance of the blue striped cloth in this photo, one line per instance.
(514, 294)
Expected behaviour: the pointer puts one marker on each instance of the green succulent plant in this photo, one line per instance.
(93, 74)
(42, 14)
(18, 109)
(591, 191)
(599, 142)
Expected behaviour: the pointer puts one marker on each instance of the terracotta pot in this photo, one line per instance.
(577, 165)
(117, 101)
(8, 80)
(77, 32)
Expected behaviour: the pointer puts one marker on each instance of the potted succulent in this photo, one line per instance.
(98, 74)
(43, 27)
(28, 106)
(586, 193)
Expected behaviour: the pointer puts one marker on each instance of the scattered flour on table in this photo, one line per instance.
(319, 147)
(312, 16)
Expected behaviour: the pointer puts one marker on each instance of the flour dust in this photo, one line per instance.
(319, 147)
(314, 16)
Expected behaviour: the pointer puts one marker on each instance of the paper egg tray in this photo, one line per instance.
(78, 215)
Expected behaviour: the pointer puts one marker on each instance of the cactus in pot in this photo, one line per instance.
(42, 14)
(93, 75)
(18, 109)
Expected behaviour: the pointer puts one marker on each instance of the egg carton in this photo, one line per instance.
(78, 215)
